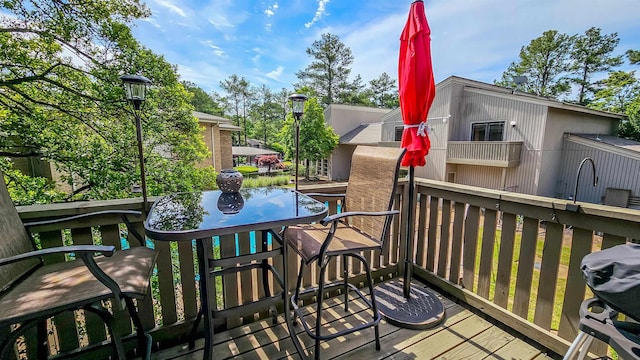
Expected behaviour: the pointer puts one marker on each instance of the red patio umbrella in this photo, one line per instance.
(416, 85)
(418, 308)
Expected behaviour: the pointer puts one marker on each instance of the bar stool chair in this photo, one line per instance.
(362, 225)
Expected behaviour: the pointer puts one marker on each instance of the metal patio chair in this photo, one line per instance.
(361, 225)
(32, 292)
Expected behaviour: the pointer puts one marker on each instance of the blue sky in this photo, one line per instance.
(265, 41)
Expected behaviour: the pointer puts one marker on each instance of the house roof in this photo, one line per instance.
(230, 127)
(250, 151)
(612, 140)
(204, 117)
(364, 134)
(511, 93)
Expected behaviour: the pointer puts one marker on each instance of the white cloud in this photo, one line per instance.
(216, 49)
(275, 74)
(319, 13)
(171, 6)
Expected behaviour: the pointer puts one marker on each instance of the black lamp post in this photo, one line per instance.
(135, 86)
(297, 105)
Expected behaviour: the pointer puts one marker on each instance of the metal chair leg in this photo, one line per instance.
(319, 311)
(374, 307)
(296, 295)
(144, 340)
(345, 277)
(580, 347)
(43, 342)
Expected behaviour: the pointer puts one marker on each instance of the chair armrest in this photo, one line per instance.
(335, 217)
(123, 214)
(92, 249)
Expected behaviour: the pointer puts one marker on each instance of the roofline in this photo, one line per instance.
(359, 107)
(614, 149)
(510, 93)
(209, 118)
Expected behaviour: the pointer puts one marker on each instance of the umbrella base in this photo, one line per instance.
(422, 310)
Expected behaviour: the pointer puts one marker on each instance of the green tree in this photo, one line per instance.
(317, 139)
(544, 63)
(355, 93)
(328, 73)
(592, 53)
(634, 56)
(384, 92)
(619, 91)
(62, 101)
(201, 101)
(238, 96)
(266, 113)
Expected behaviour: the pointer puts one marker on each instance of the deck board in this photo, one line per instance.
(463, 334)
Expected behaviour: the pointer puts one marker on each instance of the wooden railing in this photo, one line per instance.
(515, 257)
(488, 153)
(169, 313)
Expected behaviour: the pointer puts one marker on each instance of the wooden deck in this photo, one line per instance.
(463, 335)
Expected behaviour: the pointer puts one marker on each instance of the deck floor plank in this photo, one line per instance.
(479, 346)
(462, 335)
(516, 349)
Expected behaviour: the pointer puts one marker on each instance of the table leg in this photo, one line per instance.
(207, 298)
(287, 299)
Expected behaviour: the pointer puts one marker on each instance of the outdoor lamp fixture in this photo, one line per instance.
(136, 86)
(297, 106)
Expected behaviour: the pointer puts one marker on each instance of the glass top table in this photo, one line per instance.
(201, 215)
(188, 216)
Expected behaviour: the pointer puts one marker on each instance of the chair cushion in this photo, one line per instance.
(68, 285)
(307, 240)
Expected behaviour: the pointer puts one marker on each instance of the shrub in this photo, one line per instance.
(247, 170)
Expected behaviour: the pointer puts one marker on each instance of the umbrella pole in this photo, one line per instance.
(419, 308)
(408, 259)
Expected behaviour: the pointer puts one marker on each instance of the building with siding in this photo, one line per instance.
(494, 137)
(355, 125)
(216, 132)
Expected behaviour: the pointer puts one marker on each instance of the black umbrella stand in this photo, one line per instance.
(400, 303)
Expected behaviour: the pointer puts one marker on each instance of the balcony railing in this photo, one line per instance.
(486, 153)
(514, 257)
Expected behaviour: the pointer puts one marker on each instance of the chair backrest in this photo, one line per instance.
(14, 240)
(372, 185)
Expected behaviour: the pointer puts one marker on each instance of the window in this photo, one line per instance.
(487, 131)
(398, 133)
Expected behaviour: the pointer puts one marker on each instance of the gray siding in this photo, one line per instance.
(481, 105)
(613, 170)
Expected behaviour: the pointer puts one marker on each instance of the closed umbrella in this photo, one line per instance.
(417, 308)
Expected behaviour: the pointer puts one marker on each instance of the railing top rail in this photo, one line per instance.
(534, 200)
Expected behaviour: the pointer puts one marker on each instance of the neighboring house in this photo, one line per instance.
(490, 136)
(355, 125)
(255, 143)
(217, 132)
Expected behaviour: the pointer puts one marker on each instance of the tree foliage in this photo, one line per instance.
(62, 101)
(544, 62)
(201, 101)
(384, 93)
(238, 97)
(328, 73)
(592, 53)
(317, 139)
